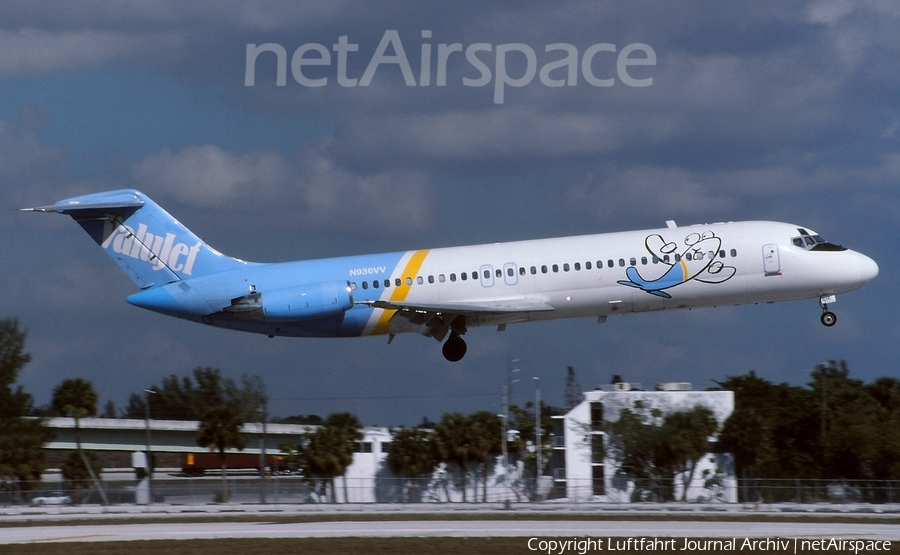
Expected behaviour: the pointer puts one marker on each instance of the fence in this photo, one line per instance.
(294, 489)
(819, 491)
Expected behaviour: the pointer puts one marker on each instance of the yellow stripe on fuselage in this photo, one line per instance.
(398, 294)
(684, 269)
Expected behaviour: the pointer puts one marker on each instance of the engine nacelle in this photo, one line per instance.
(315, 300)
(304, 302)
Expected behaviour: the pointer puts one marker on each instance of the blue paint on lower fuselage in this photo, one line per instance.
(196, 298)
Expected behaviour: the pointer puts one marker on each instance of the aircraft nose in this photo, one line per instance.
(868, 269)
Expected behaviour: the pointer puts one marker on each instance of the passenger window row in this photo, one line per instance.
(544, 269)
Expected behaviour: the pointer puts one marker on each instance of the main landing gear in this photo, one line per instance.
(828, 318)
(455, 348)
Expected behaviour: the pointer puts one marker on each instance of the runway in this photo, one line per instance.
(564, 529)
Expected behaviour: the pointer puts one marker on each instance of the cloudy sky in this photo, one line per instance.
(770, 110)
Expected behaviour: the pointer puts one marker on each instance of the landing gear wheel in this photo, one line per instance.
(828, 318)
(454, 349)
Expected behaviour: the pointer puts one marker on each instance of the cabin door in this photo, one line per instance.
(771, 261)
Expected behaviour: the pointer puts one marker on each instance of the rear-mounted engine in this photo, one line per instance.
(306, 302)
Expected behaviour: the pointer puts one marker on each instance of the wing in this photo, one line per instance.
(436, 319)
(467, 308)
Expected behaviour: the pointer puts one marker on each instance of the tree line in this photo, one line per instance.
(188, 397)
(466, 445)
(834, 427)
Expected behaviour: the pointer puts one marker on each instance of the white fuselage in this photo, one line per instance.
(580, 276)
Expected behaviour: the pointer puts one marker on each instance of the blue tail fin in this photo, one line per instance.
(147, 243)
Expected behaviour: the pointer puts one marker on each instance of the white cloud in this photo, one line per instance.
(311, 191)
(666, 192)
(512, 133)
(30, 169)
(208, 175)
(36, 51)
(830, 11)
(23, 156)
(833, 11)
(669, 192)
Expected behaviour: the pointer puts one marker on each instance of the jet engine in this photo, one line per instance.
(305, 302)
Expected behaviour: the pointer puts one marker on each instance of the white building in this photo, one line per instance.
(369, 464)
(583, 470)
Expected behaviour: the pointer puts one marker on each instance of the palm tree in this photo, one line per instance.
(687, 433)
(21, 439)
(412, 454)
(220, 430)
(344, 432)
(326, 456)
(76, 398)
(453, 437)
(486, 442)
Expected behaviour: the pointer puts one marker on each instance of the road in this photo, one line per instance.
(446, 528)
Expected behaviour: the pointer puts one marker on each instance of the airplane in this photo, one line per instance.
(443, 292)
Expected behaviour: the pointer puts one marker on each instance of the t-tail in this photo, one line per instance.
(147, 243)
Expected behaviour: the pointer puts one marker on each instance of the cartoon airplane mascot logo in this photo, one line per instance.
(698, 260)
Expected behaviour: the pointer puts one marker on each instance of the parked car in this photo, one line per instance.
(55, 498)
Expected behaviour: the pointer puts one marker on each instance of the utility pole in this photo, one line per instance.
(507, 392)
(507, 401)
(149, 452)
(262, 453)
(504, 417)
(537, 437)
(509, 379)
(823, 410)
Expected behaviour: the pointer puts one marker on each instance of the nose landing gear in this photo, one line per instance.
(455, 348)
(828, 318)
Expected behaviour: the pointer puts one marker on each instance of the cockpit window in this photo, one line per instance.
(811, 242)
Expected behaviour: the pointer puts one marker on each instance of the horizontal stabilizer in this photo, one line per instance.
(94, 209)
